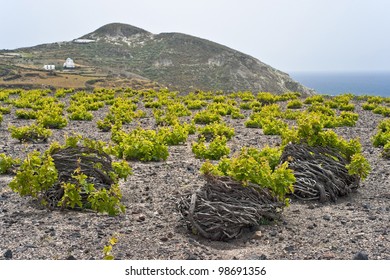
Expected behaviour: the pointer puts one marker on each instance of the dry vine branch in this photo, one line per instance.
(223, 208)
(320, 172)
(93, 163)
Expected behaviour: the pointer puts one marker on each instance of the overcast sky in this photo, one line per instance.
(291, 35)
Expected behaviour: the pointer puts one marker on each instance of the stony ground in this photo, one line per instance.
(151, 228)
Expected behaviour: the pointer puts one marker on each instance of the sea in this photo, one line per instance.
(335, 83)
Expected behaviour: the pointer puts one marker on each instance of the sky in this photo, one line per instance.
(290, 35)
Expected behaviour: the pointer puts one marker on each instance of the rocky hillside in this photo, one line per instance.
(176, 60)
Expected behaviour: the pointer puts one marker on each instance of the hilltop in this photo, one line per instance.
(181, 62)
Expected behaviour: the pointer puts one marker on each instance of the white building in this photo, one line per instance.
(69, 63)
(49, 67)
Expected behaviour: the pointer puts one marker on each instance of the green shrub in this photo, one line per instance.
(222, 109)
(213, 130)
(311, 131)
(266, 98)
(322, 109)
(246, 96)
(369, 106)
(291, 114)
(314, 99)
(139, 144)
(38, 174)
(245, 105)
(294, 104)
(260, 167)
(26, 114)
(32, 133)
(195, 104)
(52, 118)
(5, 110)
(165, 118)
(6, 163)
(4, 95)
(272, 126)
(206, 117)
(104, 125)
(347, 119)
(214, 150)
(382, 110)
(35, 176)
(236, 114)
(153, 104)
(175, 135)
(81, 114)
(347, 107)
(382, 137)
(61, 92)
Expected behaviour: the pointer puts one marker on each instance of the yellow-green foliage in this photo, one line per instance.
(174, 135)
(32, 133)
(294, 104)
(139, 144)
(206, 117)
(216, 149)
(5, 110)
(314, 99)
(213, 130)
(6, 163)
(382, 137)
(259, 167)
(52, 117)
(266, 97)
(311, 131)
(36, 175)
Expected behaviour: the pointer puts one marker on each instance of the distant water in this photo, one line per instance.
(371, 83)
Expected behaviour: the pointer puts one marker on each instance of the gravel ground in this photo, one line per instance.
(356, 226)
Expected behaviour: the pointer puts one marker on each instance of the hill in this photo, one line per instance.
(176, 60)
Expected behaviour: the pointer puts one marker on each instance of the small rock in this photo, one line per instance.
(70, 258)
(372, 218)
(170, 235)
(326, 217)
(257, 235)
(190, 169)
(164, 239)
(328, 256)
(261, 257)
(75, 234)
(273, 233)
(141, 218)
(289, 248)
(191, 256)
(310, 227)
(311, 206)
(8, 254)
(361, 256)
